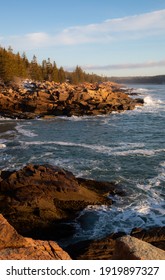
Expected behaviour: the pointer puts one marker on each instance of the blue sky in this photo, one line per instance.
(107, 37)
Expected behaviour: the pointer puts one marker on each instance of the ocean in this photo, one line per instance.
(127, 148)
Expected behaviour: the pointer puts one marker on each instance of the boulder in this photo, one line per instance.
(154, 236)
(36, 198)
(103, 249)
(131, 248)
(63, 96)
(13, 246)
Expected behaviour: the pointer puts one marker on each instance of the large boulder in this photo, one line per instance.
(36, 198)
(131, 248)
(13, 246)
(103, 249)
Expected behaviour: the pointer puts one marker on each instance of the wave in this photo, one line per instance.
(149, 101)
(24, 131)
(5, 119)
(140, 90)
(141, 209)
(107, 220)
(123, 149)
(145, 152)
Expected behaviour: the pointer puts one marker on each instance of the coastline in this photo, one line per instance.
(157, 233)
(32, 100)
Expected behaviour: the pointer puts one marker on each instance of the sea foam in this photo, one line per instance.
(2, 146)
(24, 131)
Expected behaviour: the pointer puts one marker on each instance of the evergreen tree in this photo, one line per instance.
(78, 76)
(25, 61)
(55, 73)
(2, 65)
(44, 70)
(13, 65)
(35, 70)
(49, 70)
(61, 75)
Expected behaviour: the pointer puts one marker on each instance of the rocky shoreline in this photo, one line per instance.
(29, 100)
(37, 201)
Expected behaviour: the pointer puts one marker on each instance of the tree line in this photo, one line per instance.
(15, 65)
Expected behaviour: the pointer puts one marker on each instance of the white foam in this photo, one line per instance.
(149, 101)
(120, 150)
(140, 90)
(75, 118)
(144, 152)
(2, 146)
(24, 131)
(162, 164)
(112, 219)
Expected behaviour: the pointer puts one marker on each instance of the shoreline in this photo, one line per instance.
(36, 100)
(18, 196)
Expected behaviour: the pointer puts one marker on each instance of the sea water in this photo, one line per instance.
(127, 148)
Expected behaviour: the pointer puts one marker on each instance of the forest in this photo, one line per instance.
(14, 65)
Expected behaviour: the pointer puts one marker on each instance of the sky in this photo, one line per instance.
(106, 37)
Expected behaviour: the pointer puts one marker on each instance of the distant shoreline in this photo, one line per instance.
(157, 80)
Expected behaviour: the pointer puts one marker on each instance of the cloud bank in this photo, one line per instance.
(146, 64)
(131, 27)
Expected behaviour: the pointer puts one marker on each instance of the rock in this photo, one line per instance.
(48, 98)
(13, 246)
(63, 96)
(155, 236)
(139, 101)
(103, 249)
(36, 198)
(131, 248)
(93, 249)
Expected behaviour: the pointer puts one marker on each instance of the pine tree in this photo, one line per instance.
(55, 73)
(78, 76)
(35, 70)
(2, 65)
(61, 75)
(13, 65)
(49, 70)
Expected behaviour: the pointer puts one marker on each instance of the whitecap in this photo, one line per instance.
(142, 90)
(24, 131)
(120, 150)
(144, 152)
(149, 101)
(2, 146)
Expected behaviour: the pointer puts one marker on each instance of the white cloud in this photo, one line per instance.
(137, 26)
(114, 29)
(37, 38)
(146, 64)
